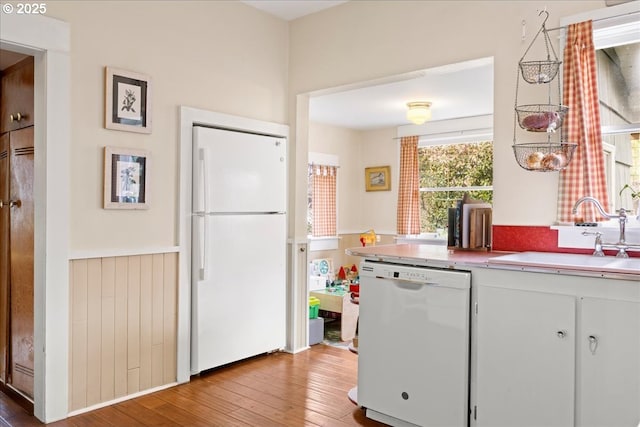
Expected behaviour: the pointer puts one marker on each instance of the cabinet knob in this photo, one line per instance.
(561, 334)
(593, 344)
(15, 117)
(10, 203)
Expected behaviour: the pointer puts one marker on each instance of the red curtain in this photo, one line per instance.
(408, 221)
(585, 175)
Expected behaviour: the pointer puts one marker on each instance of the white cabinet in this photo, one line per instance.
(525, 358)
(608, 387)
(555, 350)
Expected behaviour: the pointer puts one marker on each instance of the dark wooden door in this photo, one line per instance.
(21, 259)
(4, 255)
(17, 231)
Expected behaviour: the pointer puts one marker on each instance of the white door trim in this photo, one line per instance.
(48, 40)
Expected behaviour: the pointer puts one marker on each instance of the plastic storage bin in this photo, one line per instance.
(314, 307)
(316, 330)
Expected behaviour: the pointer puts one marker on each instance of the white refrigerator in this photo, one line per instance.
(238, 246)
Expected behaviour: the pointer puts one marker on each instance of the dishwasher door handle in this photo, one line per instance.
(411, 284)
(399, 279)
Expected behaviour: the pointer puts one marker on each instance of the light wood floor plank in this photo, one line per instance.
(306, 389)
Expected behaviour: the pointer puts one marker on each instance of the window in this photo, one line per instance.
(619, 93)
(616, 36)
(322, 202)
(447, 171)
(322, 195)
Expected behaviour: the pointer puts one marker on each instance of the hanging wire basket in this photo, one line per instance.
(544, 156)
(539, 71)
(541, 156)
(541, 117)
(542, 71)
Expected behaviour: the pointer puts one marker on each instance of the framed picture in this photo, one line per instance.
(127, 101)
(378, 178)
(126, 184)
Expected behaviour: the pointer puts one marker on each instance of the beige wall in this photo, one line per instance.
(215, 55)
(378, 208)
(357, 150)
(373, 39)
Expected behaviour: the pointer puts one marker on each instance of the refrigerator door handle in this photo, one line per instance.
(203, 258)
(202, 248)
(204, 179)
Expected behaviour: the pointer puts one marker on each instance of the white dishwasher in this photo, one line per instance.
(413, 347)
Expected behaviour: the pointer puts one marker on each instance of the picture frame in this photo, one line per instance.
(127, 101)
(126, 178)
(377, 178)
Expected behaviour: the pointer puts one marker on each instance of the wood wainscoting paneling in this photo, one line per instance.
(123, 326)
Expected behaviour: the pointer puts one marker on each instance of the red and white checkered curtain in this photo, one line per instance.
(409, 187)
(323, 199)
(585, 175)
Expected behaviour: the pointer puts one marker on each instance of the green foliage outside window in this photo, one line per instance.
(445, 172)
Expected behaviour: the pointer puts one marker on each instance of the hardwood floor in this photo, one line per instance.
(306, 389)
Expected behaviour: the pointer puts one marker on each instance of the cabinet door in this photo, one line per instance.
(608, 391)
(525, 358)
(4, 254)
(21, 259)
(16, 96)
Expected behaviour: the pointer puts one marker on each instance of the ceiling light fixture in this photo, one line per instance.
(419, 112)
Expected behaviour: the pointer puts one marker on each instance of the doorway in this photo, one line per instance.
(48, 41)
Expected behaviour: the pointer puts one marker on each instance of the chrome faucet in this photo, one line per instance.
(598, 243)
(622, 217)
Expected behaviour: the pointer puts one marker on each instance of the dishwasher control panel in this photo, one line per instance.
(418, 274)
(413, 275)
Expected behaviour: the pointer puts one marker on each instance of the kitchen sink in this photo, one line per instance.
(570, 261)
(626, 263)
